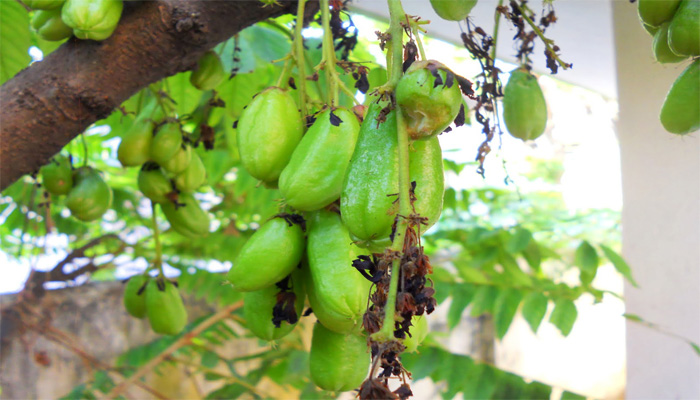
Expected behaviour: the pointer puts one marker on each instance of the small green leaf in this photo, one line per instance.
(15, 39)
(564, 315)
(619, 263)
(572, 396)
(505, 307)
(209, 359)
(462, 295)
(483, 300)
(481, 382)
(534, 309)
(532, 255)
(695, 347)
(586, 259)
(450, 199)
(519, 240)
(634, 317)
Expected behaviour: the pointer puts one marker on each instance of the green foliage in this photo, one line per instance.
(15, 37)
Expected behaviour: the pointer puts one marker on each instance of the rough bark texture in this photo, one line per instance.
(52, 101)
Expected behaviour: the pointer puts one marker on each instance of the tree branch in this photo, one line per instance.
(49, 103)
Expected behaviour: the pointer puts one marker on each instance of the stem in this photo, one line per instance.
(286, 71)
(547, 42)
(158, 261)
(179, 343)
(396, 31)
(419, 42)
(300, 56)
(85, 149)
(386, 333)
(496, 24)
(328, 61)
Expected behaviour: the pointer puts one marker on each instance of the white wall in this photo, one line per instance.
(661, 222)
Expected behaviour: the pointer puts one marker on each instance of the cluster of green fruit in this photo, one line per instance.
(675, 25)
(293, 257)
(159, 300)
(88, 196)
(56, 20)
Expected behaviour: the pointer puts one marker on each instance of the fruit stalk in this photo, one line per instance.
(329, 55)
(300, 57)
(538, 32)
(395, 54)
(158, 260)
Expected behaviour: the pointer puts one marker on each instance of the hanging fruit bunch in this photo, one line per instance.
(675, 26)
(56, 20)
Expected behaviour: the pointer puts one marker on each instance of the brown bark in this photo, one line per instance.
(52, 101)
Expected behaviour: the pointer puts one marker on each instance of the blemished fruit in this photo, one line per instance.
(338, 362)
(164, 308)
(339, 291)
(49, 25)
(135, 296)
(90, 196)
(153, 183)
(656, 12)
(314, 176)
(269, 130)
(44, 4)
(166, 143)
(684, 29)
(662, 53)
(524, 106)
(57, 176)
(209, 73)
(268, 256)
(193, 176)
(92, 19)
(258, 309)
(419, 330)
(680, 113)
(429, 97)
(135, 147)
(453, 10)
(187, 217)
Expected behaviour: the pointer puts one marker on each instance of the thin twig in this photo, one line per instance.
(181, 342)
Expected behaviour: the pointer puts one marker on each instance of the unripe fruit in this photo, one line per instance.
(135, 296)
(314, 176)
(90, 196)
(338, 362)
(153, 183)
(166, 312)
(193, 176)
(179, 162)
(258, 309)
(44, 4)
(524, 107)
(681, 110)
(57, 176)
(268, 132)
(135, 147)
(268, 256)
(166, 143)
(453, 10)
(684, 30)
(187, 217)
(49, 25)
(209, 73)
(429, 97)
(662, 53)
(92, 19)
(656, 12)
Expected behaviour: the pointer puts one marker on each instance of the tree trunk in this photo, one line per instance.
(52, 101)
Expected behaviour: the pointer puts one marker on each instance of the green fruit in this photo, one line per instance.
(684, 30)
(135, 147)
(44, 4)
(367, 200)
(428, 108)
(268, 132)
(314, 176)
(338, 362)
(656, 12)
(179, 162)
(92, 19)
(453, 10)
(650, 29)
(524, 107)
(164, 307)
(57, 176)
(258, 306)
(662, 53)
(90, 196)
(268, 256)
(187, 218)
(154, 184)
(681, 110)
(209, 73)
(135, 302)
(49, 25)
(330, 319)
(193, 176)
(166, 143)
(339, 290)
(418, 331)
